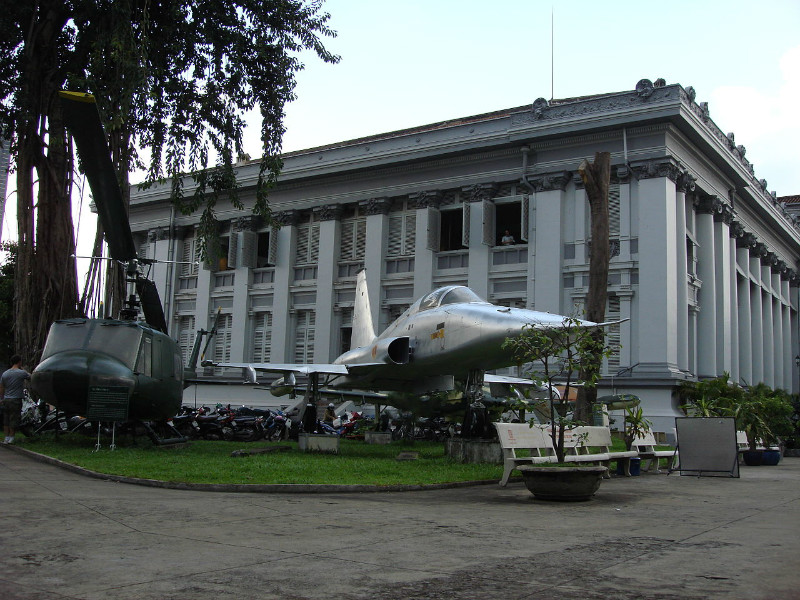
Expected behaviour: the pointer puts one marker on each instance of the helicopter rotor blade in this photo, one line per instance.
(212, 332)
(151, 304)
(83, 121)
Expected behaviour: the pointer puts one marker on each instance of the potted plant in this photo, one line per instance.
(777, 413)
(636, 426)
(557, 355)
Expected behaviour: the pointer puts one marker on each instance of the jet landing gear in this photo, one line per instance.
(476, 417)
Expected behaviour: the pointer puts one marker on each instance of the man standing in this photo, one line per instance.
(12, 384)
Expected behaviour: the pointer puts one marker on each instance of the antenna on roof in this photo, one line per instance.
(552, 53)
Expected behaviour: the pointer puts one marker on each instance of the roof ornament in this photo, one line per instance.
(644, 88)
(538, 107)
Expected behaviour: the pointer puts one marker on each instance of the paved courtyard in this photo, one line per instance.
(66, 536)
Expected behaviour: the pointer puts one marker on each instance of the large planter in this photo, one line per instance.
(753, 458)
(771, 457)
(378, 437)
(566, 484)
(315, 442)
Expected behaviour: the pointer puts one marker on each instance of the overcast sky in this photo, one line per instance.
(412, 62)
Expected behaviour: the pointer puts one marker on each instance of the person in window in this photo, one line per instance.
(507, 239)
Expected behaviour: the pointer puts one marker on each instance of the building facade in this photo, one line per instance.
(704, 259)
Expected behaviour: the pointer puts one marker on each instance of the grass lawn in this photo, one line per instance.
(211, 462)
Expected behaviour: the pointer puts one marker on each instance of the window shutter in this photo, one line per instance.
(434, 227)
(248, 249)
(233, 249)
(262, 337)
(613, 210)
(410, 233)
(222, 339)
(613, 334)
(313, 250)
(348, 228)
(395, 246)
(360, 239)
(488, 223)
(272, 256)
(524, 218)
(467, 206)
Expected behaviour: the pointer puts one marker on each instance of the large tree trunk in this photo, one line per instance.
(596, 178)
(46, 287)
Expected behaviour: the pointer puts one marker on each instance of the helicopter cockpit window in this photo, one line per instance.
(66, 335)
(144, 364)
(120, 341)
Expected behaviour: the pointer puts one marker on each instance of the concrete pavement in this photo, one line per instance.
(63, 535)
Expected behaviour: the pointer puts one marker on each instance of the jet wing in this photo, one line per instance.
(511, 380)
(298, 368)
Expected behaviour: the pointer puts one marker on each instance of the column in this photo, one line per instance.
(744, 313)
(425, 202)
(658, 272)
(756, 317)
(376, 210)
(733, 309)
(707, 316)
(282, 344)
(327, 261)
(548, 245)
(480, 198)
(240, 324)
(788, 356)
(722, 284)
(684, 183)
(766, 321)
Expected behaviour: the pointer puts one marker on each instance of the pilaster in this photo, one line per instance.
(282, 343)
(329, 237)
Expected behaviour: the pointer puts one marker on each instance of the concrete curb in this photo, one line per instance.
(256, 488)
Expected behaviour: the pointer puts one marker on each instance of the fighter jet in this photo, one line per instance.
(446, 340)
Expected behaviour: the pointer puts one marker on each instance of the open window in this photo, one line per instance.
(451, 230)
(511, 223)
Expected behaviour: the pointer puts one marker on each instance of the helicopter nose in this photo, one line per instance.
(65, 379)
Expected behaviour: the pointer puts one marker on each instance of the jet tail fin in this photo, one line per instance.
(363, 330)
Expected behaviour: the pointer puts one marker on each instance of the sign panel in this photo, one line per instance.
(107, 403)
(707, 445)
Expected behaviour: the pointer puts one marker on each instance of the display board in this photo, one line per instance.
(707, 445)
(107, 403)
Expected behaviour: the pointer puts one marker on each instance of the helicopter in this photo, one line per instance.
(111, 370)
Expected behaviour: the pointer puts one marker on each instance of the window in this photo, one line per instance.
(263, 256)
(304, 336)
(222, 339)
(262, 337)
(451, 230)
(186, 335)
(511, 217)
(402, 233)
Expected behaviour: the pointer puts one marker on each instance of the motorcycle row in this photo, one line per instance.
(243, 424)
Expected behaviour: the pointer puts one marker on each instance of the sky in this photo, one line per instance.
(413, 62)
(406, 63)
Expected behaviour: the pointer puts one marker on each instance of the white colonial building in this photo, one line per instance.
(704, 258)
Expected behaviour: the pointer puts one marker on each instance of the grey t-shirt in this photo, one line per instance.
(13, 381)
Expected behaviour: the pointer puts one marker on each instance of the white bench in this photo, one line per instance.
(593, 444)
(521, 436)
(645, 445)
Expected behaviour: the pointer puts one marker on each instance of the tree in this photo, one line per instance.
(561, 354)
(596, 177)
(7, 282)
(172, 78)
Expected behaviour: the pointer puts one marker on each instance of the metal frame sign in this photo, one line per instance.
(707, 445)
(108, 403)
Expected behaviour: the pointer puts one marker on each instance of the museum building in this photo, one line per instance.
(704, 259)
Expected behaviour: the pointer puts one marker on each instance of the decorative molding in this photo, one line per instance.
(538, 107)
(479, 192)
(328, 212)
(286, 217)
(709, 205)
(685, 182)
(549, 182)
(427, 199)
(158, 234)
(250, 223)
(736, 231)
(645, 88)
(651, 169)
(619, 174)
(376, 206)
